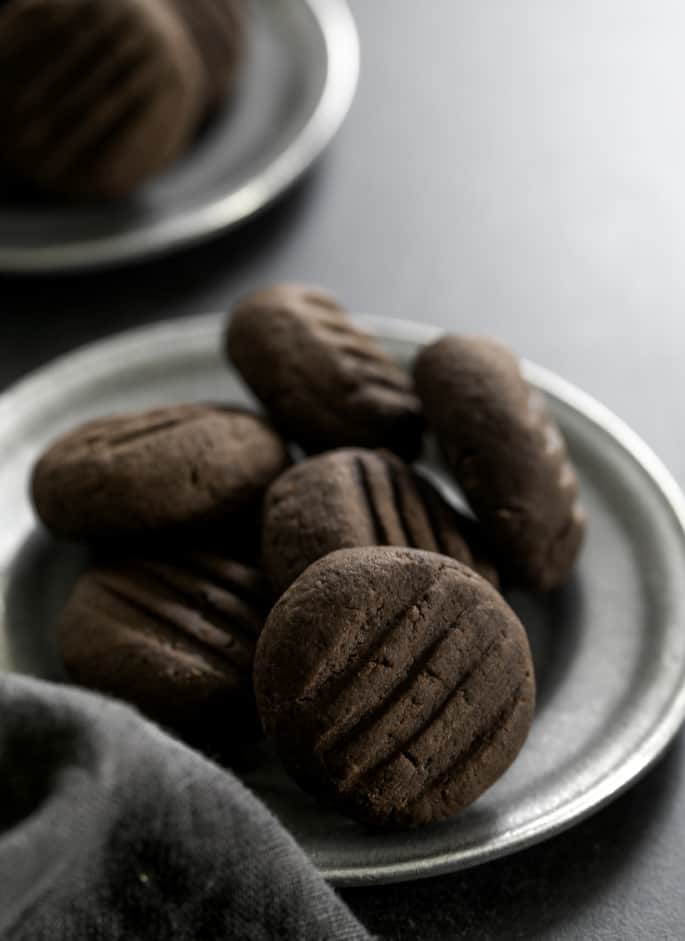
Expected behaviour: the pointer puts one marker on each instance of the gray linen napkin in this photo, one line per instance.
(109, 829)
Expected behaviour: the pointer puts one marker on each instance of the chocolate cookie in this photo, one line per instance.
(218, 30)
(397, 684)
(352, 497)
(324, 382)
(174, 637)
(183, 465)
(96, 96)
(508, 455)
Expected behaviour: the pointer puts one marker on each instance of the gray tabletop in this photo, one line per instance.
(515, 169)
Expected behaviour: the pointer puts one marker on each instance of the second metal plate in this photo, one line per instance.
(296, 86)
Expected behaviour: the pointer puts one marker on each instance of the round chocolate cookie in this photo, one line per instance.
(175, 637)
(96, 96)
(218, 30)
(353, 497)
(397, 684)
(324, 382)
(145, 472)
(508, 455)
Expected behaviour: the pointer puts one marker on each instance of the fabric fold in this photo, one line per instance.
(110, 829)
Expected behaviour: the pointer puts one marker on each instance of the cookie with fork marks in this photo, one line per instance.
(355, 497)
(324, 382)
(183, 466)
(508, 455)
(398, 684)
(96, 96)
(175, 636)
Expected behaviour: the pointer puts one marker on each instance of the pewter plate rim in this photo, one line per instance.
(340, 42)
(66, 373)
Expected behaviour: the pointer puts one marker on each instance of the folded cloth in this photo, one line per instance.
(110, 829)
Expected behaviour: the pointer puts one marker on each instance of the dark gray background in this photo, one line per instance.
(510, 168)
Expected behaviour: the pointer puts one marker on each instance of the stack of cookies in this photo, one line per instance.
(97, 96)
(341, 604)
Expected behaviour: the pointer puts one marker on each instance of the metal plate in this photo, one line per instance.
(296, 87)
(609, 649)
